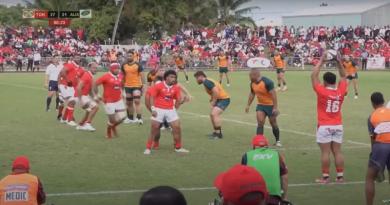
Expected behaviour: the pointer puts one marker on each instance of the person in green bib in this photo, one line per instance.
(272, 167)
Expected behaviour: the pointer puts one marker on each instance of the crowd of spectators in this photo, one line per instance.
(199, 46)
(29, 45)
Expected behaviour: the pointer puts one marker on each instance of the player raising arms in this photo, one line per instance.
(223, 64)
(219, 101)
(134, 80)
(180, 65)
(351, 71)
(330, 98)
(162, 101)
(83, 94)
(112, 97)
(267, 103)
(280, 66)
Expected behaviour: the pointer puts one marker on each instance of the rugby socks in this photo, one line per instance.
(186, 77)
(139, 116)
(48, 102)
(340, 172)
(275, 131)
(60, 109)
(177, 144)
(83, 121)
(65, 115)
(260, 129)
(325, 172)
(218, 130)
(69, 116)
(130, 116)
(57, 102)
(149, 144)
(279, 85)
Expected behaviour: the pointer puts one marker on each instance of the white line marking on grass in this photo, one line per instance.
(268, 127)
(316, 148)
(183, 189)
(359, 143)
(251, 124)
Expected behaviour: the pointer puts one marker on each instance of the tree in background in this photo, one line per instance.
(232, 11)
(140, 18)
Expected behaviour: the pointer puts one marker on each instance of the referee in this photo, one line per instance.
(51, 82)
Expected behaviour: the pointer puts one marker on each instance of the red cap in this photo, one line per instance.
(259, 141)
(238, 181)
(114, 66)
(21, 162)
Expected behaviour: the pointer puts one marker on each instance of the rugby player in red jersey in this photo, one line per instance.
(162, 101)
(84, 98)
(68, 81)
(112, 97)
(330, 97)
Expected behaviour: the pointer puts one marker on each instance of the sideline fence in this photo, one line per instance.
(195, 63)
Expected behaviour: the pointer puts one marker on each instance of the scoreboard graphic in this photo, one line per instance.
(57, 18)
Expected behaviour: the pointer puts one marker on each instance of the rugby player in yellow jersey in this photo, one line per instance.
(133, 80)
(219, 101)
(223, 64)
(350, 68)
(267, 103)
(280, 66)
(180, 65)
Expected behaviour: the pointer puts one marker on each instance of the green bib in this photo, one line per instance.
(266, 161)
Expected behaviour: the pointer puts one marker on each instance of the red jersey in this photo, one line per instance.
(112, 87)
(71, 74)
(79, 73)
(329, 102)
(164, 96)
(87, 79)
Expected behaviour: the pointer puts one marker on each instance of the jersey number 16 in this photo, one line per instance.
(333, 106)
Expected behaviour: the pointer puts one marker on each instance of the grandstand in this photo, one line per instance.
(362, 14)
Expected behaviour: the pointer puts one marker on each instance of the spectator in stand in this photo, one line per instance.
(2, 60)
(19, 62)
(364, 56)
(37, 60)
(30, 61)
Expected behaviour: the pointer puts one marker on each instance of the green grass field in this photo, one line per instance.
(89, 166)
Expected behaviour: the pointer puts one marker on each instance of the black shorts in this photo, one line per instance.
(351, 77)
(180, 67)
(380, 156)
(130, 90)
(36, 62)
(53, 86)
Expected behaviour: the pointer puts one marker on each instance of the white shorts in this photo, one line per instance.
(112, 108)
(168, 115)
(66, 92)
(330, 133)
(87, 103)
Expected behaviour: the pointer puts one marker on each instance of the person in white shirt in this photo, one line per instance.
(37, 60)
(51, 82)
